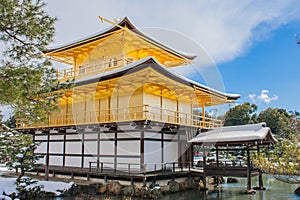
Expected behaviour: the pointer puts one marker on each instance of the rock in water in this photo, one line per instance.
(114, 187)
(232, 180)
(297, 191)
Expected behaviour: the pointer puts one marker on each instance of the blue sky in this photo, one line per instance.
(250, 44)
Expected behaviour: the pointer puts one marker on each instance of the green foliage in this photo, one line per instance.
(277, 119)
(284, 157)
(27, 81)
(240, 115)
(28, 190)
(26, 30)
(16, 149)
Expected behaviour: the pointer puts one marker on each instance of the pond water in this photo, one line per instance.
(275, 190)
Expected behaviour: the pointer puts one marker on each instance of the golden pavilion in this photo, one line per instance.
(127, 107)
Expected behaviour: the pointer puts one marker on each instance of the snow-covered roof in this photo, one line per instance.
(150, 62)
(123, 22)
(237, 135)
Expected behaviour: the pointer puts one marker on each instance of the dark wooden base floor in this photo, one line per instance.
(110, 174)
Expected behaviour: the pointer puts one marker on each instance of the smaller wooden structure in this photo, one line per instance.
(242, 139)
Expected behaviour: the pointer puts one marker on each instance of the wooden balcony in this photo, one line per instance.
(89, 70)
(137, 113)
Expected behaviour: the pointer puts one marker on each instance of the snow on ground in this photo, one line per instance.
(2, 197)
(8, 186)
(55, 187)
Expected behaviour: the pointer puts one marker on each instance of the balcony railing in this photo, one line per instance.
(143, 112)
(93, 69)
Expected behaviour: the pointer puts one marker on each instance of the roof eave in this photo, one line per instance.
(125, 22)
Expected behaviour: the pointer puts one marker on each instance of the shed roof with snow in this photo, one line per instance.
(236, 135)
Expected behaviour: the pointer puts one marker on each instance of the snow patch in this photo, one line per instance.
(20, 156)
(8, 187)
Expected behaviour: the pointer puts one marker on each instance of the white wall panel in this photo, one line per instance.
(90, 159)
(90, 136)
(107, 147)
(73, 147)
(42, 161)
(90, 147)
(56, 160)
(152, 152)
(56, 137)
(41, 148)
(129, 135)
(123, 164)
(170, 152)
(56, 147)
(40, 137)
(72, 137)
(152, 135)
(128, 148)
(73, 161)
(107, 135)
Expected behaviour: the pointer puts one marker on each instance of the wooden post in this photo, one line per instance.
(217, 156)
(64, 149)
(203, 115)
(47, 157)
(82, 150)
(204, 167)
(248, 170)
(192, 155)
(162, 149)
(260, 180)
(115, 151)
(142, 148)
(98, 148)
(173, 167)
(217, 160)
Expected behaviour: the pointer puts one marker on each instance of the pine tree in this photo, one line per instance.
(27, 80)
(16, 149)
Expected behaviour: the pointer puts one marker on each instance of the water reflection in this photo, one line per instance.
(275, 190)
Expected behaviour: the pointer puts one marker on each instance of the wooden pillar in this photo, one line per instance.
(179, 149)
(204, 167)
(142, 149)
(248, 169)
(203, 111)
(109, 109)
(162, 148)
(177, 112)
(98, 148)
(82, 150)
(64, 149)
(47, 157)
(85, 107)
(161, 105)
(192, 155)
(217, 155)
(67, 111)
(115, 150)
(217, 160)
(260, 180)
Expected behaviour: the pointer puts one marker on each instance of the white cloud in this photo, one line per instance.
(252, 97)
(226, 29)
(263, 97)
